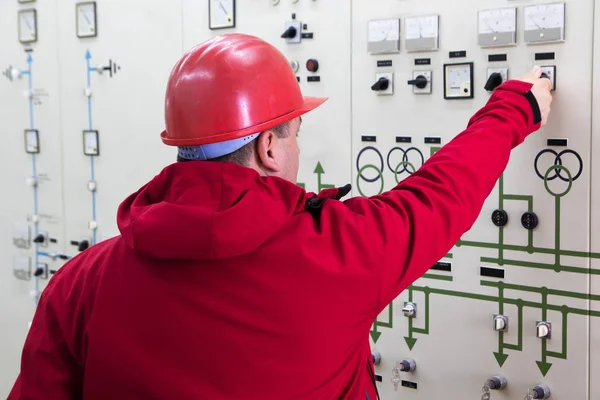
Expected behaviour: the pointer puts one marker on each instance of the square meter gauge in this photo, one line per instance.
(544, 23)
(458, 81)
(383, 36)
(422, 32)
(497, 27)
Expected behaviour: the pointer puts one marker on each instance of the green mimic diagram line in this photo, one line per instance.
(557, 170)
(501, 356)
(319, 171)
(530, 248)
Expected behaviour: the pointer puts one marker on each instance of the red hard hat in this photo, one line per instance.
(229, 87)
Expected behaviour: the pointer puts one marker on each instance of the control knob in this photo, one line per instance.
(543, 330)
(493, 81)
(410, 310)
(376, 357)
(496, 383)
(290, 33)
(39, 238)
(529, 220)
(420, 82)
(500, 217)
(381, 85)
(540, 391)
(500, 323)
(82, 245)
(408, 365)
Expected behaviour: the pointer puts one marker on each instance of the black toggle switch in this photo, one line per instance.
(290, 33)
(39, 271)
(493, 81)
(52, 271)
(545, 76)
(420, 82)
(382, 84)
(312, 65)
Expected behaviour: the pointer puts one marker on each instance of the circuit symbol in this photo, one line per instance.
(112, 68)
(559, 167)
(7, 73)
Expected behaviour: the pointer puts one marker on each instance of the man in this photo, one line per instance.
(231, 282)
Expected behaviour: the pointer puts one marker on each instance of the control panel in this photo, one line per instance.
(503, 314)
(511, 312)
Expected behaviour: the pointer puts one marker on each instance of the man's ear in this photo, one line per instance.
(266, 149)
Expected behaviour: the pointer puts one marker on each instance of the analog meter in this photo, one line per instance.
(544, 23)
(458, 81)
(383, 36)
(91, 146)
(28, 26)
(32, 141)
(422, 32)
(221, 14)
(497, 27)
(86, 19)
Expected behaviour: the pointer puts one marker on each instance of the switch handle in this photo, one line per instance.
(493, 81)
(420, 82)
(289, 33)
(382, 84)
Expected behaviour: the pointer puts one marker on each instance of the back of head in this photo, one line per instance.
(224, 92)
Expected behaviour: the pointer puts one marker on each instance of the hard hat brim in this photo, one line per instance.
(310, 103)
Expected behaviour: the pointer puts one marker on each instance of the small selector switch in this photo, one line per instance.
(496, 383)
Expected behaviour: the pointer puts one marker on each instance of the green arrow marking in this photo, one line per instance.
(500, 357)
(410, 340)
(375, 334)
(543, 365)
(319, 171)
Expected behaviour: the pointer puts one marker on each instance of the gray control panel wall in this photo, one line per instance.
(528, 261)
(81, 101)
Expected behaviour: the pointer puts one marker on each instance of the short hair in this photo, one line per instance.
(243, 154)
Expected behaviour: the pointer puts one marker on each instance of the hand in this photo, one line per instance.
(541, 89)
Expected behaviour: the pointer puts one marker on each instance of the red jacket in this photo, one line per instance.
(227, 285)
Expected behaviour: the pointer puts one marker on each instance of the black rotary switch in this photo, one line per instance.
(312, 65)
(529, 220)
(290, 33)
(83, 245)
(420, 82)
(493, 81)
(39, 239)
(382, 84)
(500, 217)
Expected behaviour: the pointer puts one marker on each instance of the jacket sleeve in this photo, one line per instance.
(411, 227)
(49, 369)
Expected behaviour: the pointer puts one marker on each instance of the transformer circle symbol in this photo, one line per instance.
(558, 166)
(361, 169)
(554, 167)
(405, 161)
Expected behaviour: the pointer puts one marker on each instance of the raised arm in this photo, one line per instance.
(416, 223)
